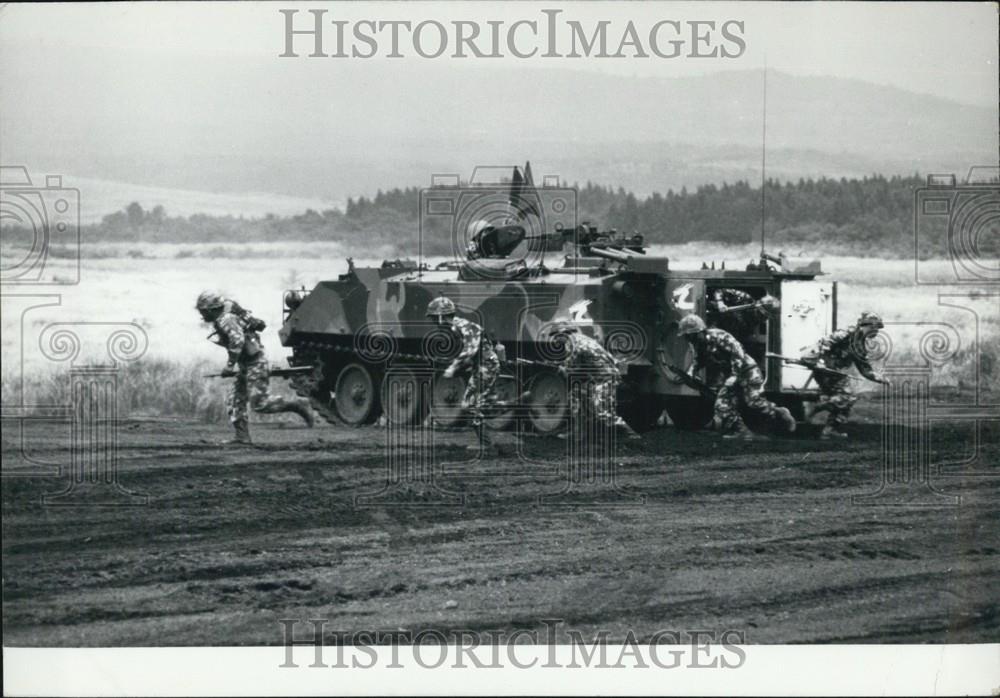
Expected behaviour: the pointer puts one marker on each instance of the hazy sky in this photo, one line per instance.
(945, 49)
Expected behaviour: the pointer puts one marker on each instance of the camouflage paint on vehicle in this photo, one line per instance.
(631, 302)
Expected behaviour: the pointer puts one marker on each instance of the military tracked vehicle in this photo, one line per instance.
(353, 329)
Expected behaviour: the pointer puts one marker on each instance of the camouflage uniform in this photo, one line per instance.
(586, 355)
(741, 324)
(839, 351)
(246, 354)
(477, 351)
(743, 385)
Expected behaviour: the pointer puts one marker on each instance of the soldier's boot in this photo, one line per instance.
(743, 433)
(302, 408)
(831, 432)
(242, 436)
(622, 426)
(785, 415)
(484, 441)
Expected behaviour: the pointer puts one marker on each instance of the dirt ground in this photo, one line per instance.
(701, 534)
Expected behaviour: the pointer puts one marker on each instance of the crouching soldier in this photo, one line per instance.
(839, 351)
(476, 355)
(587, 356)
(238, 332)
(743, 384)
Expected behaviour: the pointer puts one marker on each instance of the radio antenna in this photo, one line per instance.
(763, 162)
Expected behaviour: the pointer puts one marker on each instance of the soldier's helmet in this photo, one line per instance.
(476, 227)
(562, 327)
(209, 300)
(440, 306)
(870, 320)
(690, 324)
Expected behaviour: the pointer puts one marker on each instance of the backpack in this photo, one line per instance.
(246, 318)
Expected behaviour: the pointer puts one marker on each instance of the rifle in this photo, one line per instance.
(692, 382)
(769, 303)
(275, 372)
(529, 362)
(811, 365)
(738, 308)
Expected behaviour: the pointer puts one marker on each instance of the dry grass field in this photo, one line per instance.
(763, 538)
(154, 287)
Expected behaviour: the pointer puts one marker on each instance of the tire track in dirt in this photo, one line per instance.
(765, 540)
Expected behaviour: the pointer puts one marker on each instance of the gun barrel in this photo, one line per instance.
(616, 255)
(691, 382)
(810, 365)
(275, 372)
(745, 306)
(771, 258)
(793, 359)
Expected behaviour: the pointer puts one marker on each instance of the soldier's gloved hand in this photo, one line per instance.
(449, 372)
(883, 381)
(730, 382)
(229, 371)
(563, 370)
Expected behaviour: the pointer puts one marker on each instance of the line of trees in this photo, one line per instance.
(873, 215)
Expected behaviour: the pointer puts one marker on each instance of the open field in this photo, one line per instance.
(155, 289)
(765, 541)
(762, 538)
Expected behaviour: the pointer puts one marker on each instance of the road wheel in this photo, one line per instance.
(641, 413)
(503, 416)
(691, 413)
(548, 402)
(446, 400)
(402, 400)
(356, 395)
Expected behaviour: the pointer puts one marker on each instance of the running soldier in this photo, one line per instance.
(839, 351)
(238, 332)
(586, 355)
(478, 356)
(743, 384)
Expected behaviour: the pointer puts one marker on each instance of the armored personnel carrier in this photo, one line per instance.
(354, 329)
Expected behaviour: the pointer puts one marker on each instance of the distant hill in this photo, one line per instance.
(318, 130)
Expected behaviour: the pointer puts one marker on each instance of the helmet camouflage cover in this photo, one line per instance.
(561, 326)
(441, 306)
(208, 300)
(870, 319)
(690, 324)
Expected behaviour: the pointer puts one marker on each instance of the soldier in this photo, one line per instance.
(237, 331)
(742, 323)
(586, 354)
(839, 351)
(478, 355)
(743, 385)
